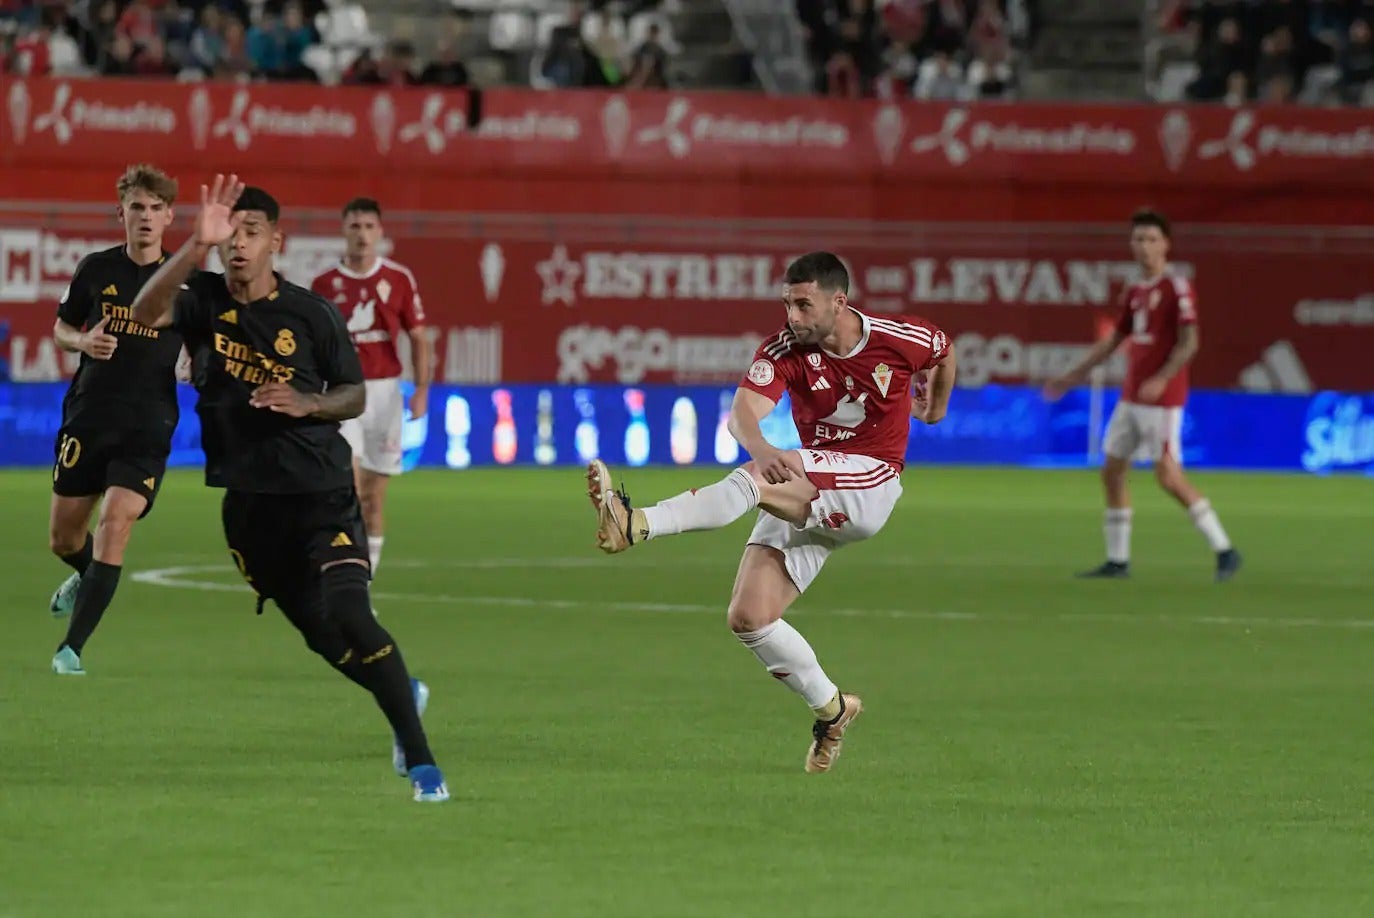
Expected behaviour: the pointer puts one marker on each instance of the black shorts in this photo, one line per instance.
(87, 462)
(280, 542)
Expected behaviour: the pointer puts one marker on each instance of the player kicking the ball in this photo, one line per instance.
(1159, 319)
(850, 377)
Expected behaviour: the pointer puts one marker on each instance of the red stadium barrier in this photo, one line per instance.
(601, 236)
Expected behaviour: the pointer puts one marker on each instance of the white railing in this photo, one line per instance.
(773, 37)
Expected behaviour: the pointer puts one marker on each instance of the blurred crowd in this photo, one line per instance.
(604, 43)
(925, 49)
(1319, 51)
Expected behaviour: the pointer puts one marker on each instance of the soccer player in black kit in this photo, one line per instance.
(119, 414)
(276, 372)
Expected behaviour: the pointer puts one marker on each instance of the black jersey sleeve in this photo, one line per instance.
(335, 355)
(193, 308)
(78, 303)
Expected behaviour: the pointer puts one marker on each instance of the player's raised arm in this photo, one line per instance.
(214, 224)
(931, 405)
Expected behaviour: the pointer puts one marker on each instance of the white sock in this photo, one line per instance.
(1207, 523)
(374, 551)
(711, 507)
(789, 659)
(1116, 526)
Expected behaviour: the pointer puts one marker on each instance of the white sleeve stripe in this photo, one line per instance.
(914, 339)
(900, 328)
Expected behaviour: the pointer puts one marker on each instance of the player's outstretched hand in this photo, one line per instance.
(1054, 389)
(283, 399)
(97, 342)
(419, 403)
(217, 221)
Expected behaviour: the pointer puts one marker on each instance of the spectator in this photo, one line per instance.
(265, 46)
(63, 51)
(649, 64)
(236, 63)
(297, 35)
(30, 55)
(941, 79)
(858, 39)
(1356, 63)
(1278, 89)
(1219, 59)
(606, 46)
(900, 68)
(1326, 27)
(990, 74)
(119, 59)
(99, 33)
(151, 59)
(137, 23)
(446, 69)
(364, 71)
(842, 76)
(208, 49)
(988, 36)
(1237, 89)
(1276, 58)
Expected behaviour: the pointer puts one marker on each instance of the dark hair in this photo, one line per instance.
(254, 198)
(824, 268)
(1147, 217)
(363, 206)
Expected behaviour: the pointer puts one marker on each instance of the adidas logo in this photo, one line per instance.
(110, 291)
(341, 541)
(150, 484)
(1279, 369)
(232, 317)
(820, 385)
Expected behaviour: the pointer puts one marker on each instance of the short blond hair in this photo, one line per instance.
(149, 178)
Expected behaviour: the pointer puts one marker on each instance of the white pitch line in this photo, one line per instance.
(179, 578)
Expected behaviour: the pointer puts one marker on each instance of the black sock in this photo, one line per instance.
(80, 560)
(382, 668)
(323, 636)
(92, 599)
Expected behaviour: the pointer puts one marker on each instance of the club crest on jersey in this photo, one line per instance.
(338, 283)
(814, 360)
(882, 375)
(285, 345)
(761, 372)
(383, 290)
(849, 382)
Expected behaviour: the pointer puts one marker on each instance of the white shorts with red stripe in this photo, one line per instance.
(857, 494)
(1144, 432)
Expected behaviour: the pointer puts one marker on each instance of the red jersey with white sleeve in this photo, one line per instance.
(1152, 313)
(857, 403)
(376, 307)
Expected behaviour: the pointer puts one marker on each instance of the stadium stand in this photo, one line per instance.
(1230, 51)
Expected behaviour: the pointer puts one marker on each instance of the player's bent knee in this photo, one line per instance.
(64, 543)
(744, 616)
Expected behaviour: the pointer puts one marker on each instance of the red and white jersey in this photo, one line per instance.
(376, 306)
(860, 402)
(1152, 313)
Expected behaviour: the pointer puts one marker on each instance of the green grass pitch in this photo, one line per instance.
(1032, 745)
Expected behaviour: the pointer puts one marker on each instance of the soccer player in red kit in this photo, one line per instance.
(380, 301)
(851, 378)
(1159, 320)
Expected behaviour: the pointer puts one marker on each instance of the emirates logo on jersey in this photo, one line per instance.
(882, 375)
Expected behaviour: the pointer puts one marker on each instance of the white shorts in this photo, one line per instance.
(1144, 432)
(375, 436)
(857, 496)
